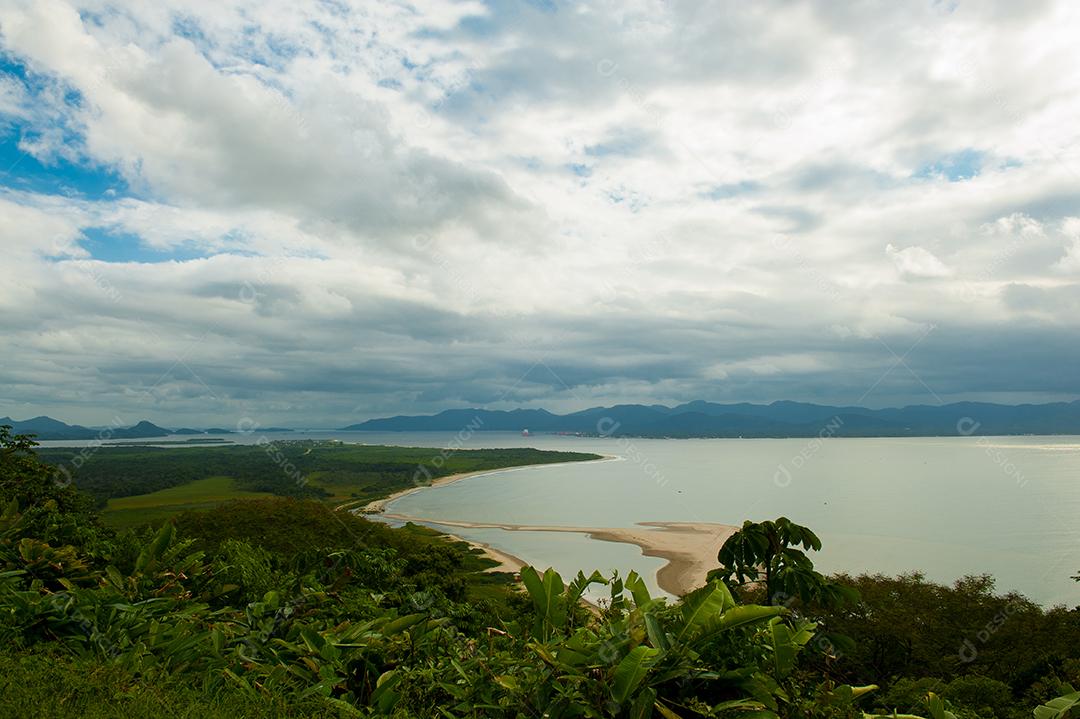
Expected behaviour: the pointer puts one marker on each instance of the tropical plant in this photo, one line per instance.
(1064, 707)
(767, 554)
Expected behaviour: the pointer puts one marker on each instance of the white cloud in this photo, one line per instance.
(1070, 230)
(916, 261)
(420, 200)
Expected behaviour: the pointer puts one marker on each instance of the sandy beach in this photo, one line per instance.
(689, 547)
(506, 562)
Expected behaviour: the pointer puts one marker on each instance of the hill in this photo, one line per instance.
(47, 428)
(778, 419)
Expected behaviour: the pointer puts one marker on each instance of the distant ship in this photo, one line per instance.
(524, 433)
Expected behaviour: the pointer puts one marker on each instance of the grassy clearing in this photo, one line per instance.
(156, 506)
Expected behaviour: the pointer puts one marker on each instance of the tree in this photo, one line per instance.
(767, 554)
(49, 507)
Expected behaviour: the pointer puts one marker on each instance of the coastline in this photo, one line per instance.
(689, 548)
(379, 506)
(505, 562)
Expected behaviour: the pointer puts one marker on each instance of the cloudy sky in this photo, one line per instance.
(315, 213)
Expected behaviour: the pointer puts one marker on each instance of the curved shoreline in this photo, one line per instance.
(690, 548)
(379, 506)
(505, 562)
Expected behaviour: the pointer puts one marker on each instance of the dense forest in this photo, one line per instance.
(282, 606)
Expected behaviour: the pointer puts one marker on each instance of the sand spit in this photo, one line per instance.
(689, 547)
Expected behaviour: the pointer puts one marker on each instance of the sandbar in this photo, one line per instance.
(690, 548)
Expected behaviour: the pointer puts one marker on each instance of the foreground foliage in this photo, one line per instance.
(284, 608)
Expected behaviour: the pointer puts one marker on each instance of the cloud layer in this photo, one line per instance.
(314, 214)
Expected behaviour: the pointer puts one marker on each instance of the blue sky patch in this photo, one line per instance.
(11, 66)
(19, 170)
(109, 245)
(186, 26)
(956, 167)
(59, 175)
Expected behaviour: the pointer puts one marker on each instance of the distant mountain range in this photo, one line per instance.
(47, 428)
(779, 419)
(693, 419)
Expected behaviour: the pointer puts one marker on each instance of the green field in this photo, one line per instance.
(150, 508)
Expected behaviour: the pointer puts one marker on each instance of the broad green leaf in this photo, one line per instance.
(656, 633)
(700, 606)
(546, 595)
(638, 590)
(783, 648)
(631, 670)
(581, 583)
(1063, 707)
(402, 623)
(533, 584)
(737, 617)
(937, 707)
(157, 545)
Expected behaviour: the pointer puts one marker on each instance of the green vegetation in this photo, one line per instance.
(766, 556)
(153, 508)
(57, 685)
(974, 647)
(283, 607)
(988, 655)
(165, 478)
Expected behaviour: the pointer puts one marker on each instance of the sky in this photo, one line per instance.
(309, 214)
